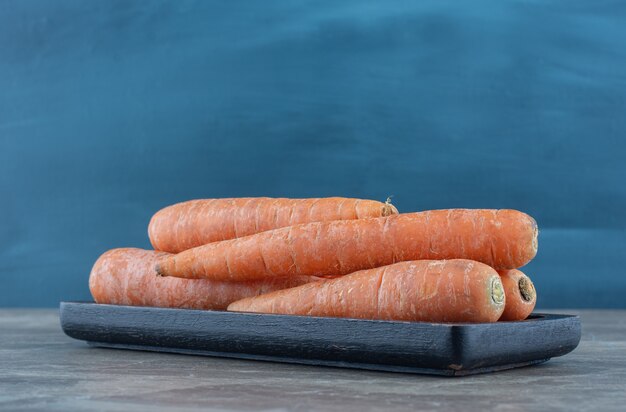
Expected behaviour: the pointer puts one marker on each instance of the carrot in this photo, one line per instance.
(503, 239)
(198, 222)
(520, 295)
(127, 277)
(427, 290)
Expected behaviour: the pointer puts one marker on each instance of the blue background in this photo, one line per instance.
(111, 110)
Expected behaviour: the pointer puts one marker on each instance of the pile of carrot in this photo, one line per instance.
(332, 257)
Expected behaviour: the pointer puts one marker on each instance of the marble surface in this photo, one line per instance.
(42, 369)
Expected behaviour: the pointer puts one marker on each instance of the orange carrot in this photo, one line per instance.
(426, 290)
(503, 239)
(520, 295)
(198, 222)
(127, 277)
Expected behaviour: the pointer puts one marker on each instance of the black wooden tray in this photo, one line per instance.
(415, 347)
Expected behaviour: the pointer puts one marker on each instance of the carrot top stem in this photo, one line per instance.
(527, 289)
(497, 291)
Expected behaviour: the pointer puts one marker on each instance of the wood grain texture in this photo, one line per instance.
(446, 349)
(42, 369)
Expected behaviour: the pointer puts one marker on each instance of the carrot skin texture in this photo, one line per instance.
(521, 296)
(197, 222)
(503, 239)
(127, 277)
(455, 290)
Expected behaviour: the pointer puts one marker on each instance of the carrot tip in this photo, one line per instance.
(388, 208)
(159, 271)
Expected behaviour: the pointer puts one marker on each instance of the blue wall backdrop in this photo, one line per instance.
(111, 110)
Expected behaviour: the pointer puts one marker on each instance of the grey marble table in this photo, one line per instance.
(42, 369)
